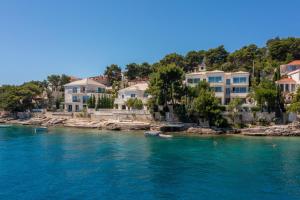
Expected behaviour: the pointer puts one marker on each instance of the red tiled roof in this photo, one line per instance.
(286, 80)
(295, 62)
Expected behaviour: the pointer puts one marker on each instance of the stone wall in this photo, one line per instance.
(111, 114)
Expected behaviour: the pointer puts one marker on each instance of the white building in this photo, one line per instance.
(226, 85)
(135, 91)
(78, 92)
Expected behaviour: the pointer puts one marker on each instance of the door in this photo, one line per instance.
(70, 108)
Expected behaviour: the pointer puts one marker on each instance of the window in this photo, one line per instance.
(217, 89)
(227, 90)
(193, 80)
(100, 90)
(75, 99)
(74, 90)
(239, 90)
(196, 80)
(287, 88)
(85, 99)
(293, 87)
(239, 80)
(83, 90)
(215, 79)
(132, 95)
(291, 68)
(227, 81)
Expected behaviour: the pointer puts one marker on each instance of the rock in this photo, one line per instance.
(206, 131)
(276, 130)
(125, 125)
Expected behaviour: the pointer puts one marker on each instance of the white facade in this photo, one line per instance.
(226, 86)
(135, 91)
(78, 92)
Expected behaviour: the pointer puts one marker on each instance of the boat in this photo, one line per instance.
(5, 126)
(40, 129)
(165, 136)
(152, 133)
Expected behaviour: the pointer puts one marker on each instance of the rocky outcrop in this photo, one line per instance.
(292, 129)
(204, 131)
(117, 125)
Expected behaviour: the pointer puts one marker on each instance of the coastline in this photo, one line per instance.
(292, 129)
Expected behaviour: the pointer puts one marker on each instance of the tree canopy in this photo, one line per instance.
(113, 73)
(166, 84)
(19, 98)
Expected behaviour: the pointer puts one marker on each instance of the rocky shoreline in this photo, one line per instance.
(292, 129)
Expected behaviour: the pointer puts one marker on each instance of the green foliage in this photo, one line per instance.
(134, 70)
(134, 103)
(113, 73)
(166, 84)
(216, 57)
(234, 107)
(295, 105)
(173, 59)
(193, 59)
(57, 82)
(206, 106)
(285, 49)
(104, 102)
(91, 103)
(265, 95)
(244, 57)
(19, 98)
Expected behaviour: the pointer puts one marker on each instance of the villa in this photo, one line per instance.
(78, 92)
(226, 85)
(135, 91)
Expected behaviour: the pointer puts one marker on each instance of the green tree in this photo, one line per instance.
(243, 58)
(193, 59)
(98, 104)
(265, 95)
(19, 98)
(145, 70)
(216, 57)
(166, 84)
(175, 59)
(54, 81)
(64, 79)
(234, 107)
(132, 71)
(113, 73)
(207, 106)
(134, 103)
(295, 105)
(284, 49)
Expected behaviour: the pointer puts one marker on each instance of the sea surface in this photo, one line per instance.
(92, 164)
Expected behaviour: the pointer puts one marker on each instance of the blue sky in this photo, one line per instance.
(80, 38)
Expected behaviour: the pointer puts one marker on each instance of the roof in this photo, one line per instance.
(295, 62)
(85, 82)
(215, 71)
(286, 80)
(139, 86)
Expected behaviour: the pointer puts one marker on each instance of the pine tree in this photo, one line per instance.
(90, 102)
(98, 105)
(93, 101)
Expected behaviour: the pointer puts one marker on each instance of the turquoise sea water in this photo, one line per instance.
(89, 164)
